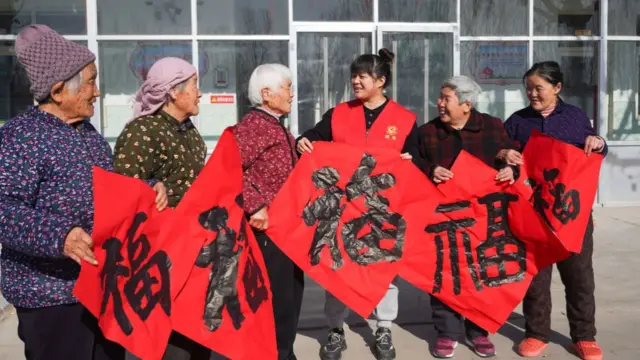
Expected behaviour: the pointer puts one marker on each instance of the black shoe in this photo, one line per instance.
(384, 349)
(335, 345)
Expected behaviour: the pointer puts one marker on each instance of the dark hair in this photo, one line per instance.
(548, 70)
(374, 65)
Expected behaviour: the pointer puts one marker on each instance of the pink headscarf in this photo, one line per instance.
(162, 77)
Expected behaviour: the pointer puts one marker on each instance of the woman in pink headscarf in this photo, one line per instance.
(161, 143)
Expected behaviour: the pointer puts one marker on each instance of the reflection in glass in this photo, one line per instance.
(566, 17)
(324, 78)
(494, 17)
(579, 63)
(417, 11)
(623, 90)
(423, 62)
(624, 17)
(224, 81)
(14, 84)
(68, 17)
(123, 67)
(236, 17)
(148, 17)
(333, 10)
(498, 67)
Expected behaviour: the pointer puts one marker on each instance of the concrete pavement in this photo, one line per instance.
(617, 248)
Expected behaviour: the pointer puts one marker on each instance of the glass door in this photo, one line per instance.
(320, 57)
(424, 60)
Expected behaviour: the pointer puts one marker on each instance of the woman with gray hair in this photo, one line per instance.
(268, 156)
(459, 127)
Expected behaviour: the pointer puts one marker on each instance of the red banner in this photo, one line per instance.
(346, 216)
(226, 302)
(564, 181)
(143, 263)
(482, 245)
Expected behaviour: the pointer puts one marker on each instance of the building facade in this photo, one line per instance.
(597, 43)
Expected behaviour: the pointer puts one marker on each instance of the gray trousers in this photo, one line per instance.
(386, 311)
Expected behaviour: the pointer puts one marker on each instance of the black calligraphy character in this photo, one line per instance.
(223, 255)
(139, 286)
(450, 227)
(326, 211)
(499, 236)
(566, 204)
(366, 249)
(255, 289)
(109, 281)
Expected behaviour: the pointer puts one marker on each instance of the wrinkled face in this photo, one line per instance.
(541, 93)
(279, 102)
(449, 106)
(79, 105)
(187, 98)
(366, 86)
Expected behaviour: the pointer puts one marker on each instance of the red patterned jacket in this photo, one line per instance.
(268, 157)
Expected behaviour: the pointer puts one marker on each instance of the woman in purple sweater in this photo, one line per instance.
(549, 114)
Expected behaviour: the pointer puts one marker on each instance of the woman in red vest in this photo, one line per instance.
(371, 119)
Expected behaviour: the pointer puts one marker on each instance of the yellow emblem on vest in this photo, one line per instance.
(392, 132)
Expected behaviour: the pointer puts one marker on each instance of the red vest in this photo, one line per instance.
(390, 130)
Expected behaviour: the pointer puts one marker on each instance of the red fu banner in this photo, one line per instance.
(481, 246)
(144, 259)
(564, 181)
(347, 215)
(226, 302)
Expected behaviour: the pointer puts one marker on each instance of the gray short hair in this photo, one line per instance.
(269, 76)
(466, 89)
(74, 84)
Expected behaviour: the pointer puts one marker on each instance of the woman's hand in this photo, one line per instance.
(441, 174)
(260, 220)
(406, 156)
(510, 156)
(161, 196)
(304, 145)
(506, 174)
(593, 144)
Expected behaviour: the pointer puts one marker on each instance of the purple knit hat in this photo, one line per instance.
(49, 58)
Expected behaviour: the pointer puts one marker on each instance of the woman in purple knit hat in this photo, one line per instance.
(46, 203)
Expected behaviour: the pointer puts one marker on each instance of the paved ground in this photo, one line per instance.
(618, 316)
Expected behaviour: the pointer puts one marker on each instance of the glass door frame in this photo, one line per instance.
(441, 28)
(317, 27)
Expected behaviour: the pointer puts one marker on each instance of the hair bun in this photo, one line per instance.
(386, 55)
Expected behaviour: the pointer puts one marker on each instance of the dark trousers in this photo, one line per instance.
(181, 347)
(448, 323)
(287, 287)
(66, 332)
(576, 273)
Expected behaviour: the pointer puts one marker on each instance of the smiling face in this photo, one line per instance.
(76, 105)
(366, 86)
(449, 107)
(542, 94)
(279, 102)
(186, 97)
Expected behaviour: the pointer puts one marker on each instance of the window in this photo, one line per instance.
(579, 63)
(148, 17)
(235, 17)
(566, 17)
(333, 10)
(123, 67)
(624, 17)
(15, 96)
(417, 11)
(324, 77)
(623, 90)
(494, 17)
(68, 17)
(498, 67)
(224, 80)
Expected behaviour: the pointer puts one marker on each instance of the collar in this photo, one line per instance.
(560, 107)
(379, 108)
(81, 125)
(270, 115)
(179, 126)
(474, 124)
